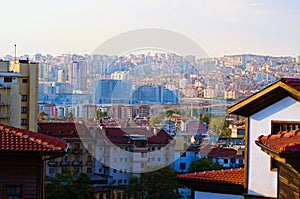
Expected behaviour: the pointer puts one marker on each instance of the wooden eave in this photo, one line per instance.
(264, 98)
(285, 157)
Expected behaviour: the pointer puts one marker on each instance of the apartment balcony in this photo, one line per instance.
(139, 149)
(77, 163)
(77, 151)
(52, 164)
(5, 85)
(4, 115)
(89, 163)
(4, 103)
(64, 163)
(106, 154)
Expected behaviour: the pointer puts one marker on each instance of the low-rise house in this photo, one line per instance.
(268, 111)
(223, 156)
(225, 184)
(23, 155)
(185, 158)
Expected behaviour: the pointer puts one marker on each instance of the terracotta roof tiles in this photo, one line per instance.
(64, 129)
(283, 141)
(231, 176)
(15, 139)
(222, 152)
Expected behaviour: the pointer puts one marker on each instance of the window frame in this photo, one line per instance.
(23, 122)
(19, 194)
(24, 98)
(181, 167)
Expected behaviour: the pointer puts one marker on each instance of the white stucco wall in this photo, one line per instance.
(206, 195)
(262, 181)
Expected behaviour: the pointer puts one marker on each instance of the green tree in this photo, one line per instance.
(203, 164)
(70, 114)
(217, 124)
(205, 118)
(69, 185)
(42, 116)
(156, 119)
(160, 183)
(101, 113)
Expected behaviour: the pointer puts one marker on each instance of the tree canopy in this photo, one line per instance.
(69, 185)
(203, 164)
(160, 183)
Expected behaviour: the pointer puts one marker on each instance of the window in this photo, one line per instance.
(77, 169)
(14, 191)
(89, 158)
(89, 170)
(119, 181)
(158, 159)
(100, 170)
(23, 109)
(51, 170)
(182, 165)
(24, 98)
(277, 126)
(77, 146)
(77, 158)
(182, 154)
(24, 80)
(7, 79)
(125, 181)
(23, 122)
(144, 154)
(225, 161)
(115, 170)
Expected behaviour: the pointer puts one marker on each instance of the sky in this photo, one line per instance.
(220, 27)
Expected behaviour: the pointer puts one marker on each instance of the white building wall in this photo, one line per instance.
(262, 181)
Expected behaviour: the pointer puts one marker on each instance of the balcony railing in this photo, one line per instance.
(5, 85)
(4, 115)
(77, 151)
(77, 163)
(4, 103)
(89, 163)
(52, 164)
(65, 163)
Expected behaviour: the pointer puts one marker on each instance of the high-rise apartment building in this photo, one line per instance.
(18, 94)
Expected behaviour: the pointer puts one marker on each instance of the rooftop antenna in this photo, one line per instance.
(15, 52)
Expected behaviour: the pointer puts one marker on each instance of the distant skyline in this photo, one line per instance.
(220, 27)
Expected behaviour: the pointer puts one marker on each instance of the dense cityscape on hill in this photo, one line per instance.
(115, 119)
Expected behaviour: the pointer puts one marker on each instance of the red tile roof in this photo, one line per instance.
(222, 152)
(116, 135)
(15, 139)
(283, 141)
(192, 148)
(64, 129)
(294, 82)
(231, 176)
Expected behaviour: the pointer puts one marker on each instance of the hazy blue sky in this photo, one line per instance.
(219, 26)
